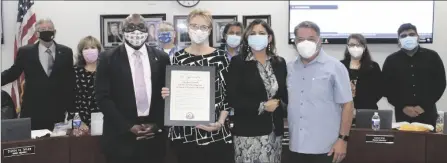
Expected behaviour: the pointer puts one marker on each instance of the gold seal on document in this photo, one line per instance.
(189, 115)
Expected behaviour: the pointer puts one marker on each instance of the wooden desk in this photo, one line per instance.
(86, 149)
(408, 147)
(436, 147)
(47, 150)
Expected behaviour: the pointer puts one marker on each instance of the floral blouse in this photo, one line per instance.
(85, 102)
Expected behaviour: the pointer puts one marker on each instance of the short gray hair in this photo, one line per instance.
(131, 18)
(165, 26)
(307, 24)
(44, 20)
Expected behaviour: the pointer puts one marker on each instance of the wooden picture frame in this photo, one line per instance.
(219, 23)
(181, 29)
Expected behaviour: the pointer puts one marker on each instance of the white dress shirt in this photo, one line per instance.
(147, 73)
(43, 55)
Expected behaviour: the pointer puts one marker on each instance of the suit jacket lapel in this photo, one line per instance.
(125, 67)
(35, 56)
(58, 58)
(153, 61)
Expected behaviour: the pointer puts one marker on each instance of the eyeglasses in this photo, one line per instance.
(406, 35)
(355, 45)
(197, 27)
(132, 27)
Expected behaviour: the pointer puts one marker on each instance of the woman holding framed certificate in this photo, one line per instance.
(257, 92)
(203, 143)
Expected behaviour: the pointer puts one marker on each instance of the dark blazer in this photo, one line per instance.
(369, 88)
(245, 93)
(116, 98)
(46, 98)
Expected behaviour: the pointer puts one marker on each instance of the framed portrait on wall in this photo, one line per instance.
(181, 28)
(247, 19)
(219, 23)
(112, 29)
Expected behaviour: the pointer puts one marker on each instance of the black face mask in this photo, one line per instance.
(46, 36)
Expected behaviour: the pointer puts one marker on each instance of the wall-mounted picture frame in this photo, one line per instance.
(181, 28)
(247, 19)
(112, 29)
(219, 23)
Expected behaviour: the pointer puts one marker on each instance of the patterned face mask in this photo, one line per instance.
(136, 38)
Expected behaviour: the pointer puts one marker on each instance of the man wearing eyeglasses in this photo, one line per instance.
(414, 79)
(128, 80)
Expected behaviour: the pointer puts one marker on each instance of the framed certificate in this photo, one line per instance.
(191, 100)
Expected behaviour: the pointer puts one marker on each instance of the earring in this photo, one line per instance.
(248, 49)
(269, 48)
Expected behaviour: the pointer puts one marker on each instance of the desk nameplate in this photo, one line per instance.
(379, 139)
(19, 151)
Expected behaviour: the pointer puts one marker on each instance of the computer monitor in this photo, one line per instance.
(363, 118)
(16, 129)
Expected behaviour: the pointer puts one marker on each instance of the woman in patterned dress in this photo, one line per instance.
(257, 92)
(203, 143)
(85, 68)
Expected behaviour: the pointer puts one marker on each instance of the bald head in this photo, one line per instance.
(134, 22)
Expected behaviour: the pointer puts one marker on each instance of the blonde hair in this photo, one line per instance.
(87, 41)
(165, 27)
(202, 13)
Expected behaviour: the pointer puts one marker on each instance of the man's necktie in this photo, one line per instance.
(50, 62)
(140, 84)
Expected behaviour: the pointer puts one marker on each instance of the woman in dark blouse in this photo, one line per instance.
(257, 92)
(207, 143)
(365, 74)
(85, 104)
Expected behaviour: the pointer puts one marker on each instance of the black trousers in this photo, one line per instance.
(144, 151)
(217, 152)
(310, 158)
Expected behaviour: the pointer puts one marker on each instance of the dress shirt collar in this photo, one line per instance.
(131, 50)
(321, 58)
(44, 48)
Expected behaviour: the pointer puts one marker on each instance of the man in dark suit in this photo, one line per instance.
(49, 76)
(128, 83)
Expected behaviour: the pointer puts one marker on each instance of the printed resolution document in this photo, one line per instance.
(190, 95)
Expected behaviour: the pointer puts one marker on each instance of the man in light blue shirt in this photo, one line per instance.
(320, 110)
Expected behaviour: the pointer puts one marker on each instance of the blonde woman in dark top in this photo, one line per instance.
(208, 143)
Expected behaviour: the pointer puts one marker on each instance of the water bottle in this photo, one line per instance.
(76, 121)
(375, 121)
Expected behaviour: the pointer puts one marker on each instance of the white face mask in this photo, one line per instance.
(136, 38)
(306, 49)
(233, 40)
(198, 36)
(356, 52)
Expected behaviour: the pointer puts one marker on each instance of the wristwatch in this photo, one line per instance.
(343, 137)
